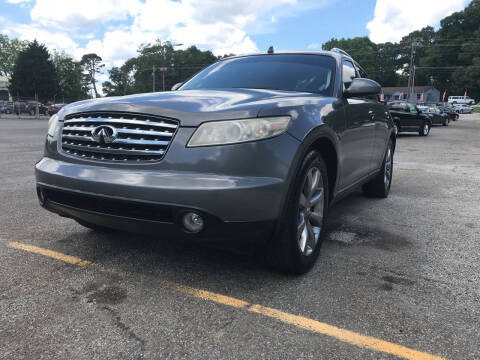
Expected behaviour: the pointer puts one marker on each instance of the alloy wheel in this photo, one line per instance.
(310, 212)
(426, 128)
(388, 168)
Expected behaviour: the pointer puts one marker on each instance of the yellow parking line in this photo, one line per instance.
(318, 327)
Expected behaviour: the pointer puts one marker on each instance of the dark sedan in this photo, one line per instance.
(438, 117)
(408, 118)
(452, 114)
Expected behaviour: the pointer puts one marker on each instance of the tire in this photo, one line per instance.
(94, 227)
(296, 246)
(425, 129)
(379, 186)
(396, 127)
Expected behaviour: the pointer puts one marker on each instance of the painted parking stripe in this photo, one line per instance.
(318, 327)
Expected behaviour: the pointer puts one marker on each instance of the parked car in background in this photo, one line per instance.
(438, 117)
(460, 100)
(450, 111)
(31, 108)
(6, 107)
(54, 108)
(236, 152)
(463, 109)
(408, 118)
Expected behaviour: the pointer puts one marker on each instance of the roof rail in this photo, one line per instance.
(340, 51)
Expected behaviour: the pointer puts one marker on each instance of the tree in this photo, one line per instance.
(136, 75)
(70, 84)
(33, 73)
(378, 60)
(120, 82)
(9, 50)
(91, 64)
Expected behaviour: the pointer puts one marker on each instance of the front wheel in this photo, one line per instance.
(299, 236)
(425, 129)
(380, 185)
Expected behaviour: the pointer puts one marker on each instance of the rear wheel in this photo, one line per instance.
(425, 129)
(380, 186)
(297, 244)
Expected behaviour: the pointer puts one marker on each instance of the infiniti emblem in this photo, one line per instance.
(104, 134)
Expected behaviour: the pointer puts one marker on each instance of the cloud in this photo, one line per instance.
(84, 14)
(114, 29)
(52, 39)
(394, 19)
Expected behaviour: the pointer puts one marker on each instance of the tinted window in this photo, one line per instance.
(349, 73)
(362, 73)
(290, 72)
(396, 106)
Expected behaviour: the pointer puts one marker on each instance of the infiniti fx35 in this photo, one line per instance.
(252, 147)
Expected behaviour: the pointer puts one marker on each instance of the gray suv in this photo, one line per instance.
(252, 147)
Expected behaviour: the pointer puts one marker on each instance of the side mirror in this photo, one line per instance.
(176, 86)
(362, 87)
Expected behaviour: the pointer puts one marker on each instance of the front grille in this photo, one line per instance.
(138, 137)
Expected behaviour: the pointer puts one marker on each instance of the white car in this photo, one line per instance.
(460, 100)
(463, 109)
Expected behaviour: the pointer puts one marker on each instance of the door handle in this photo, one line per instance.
(371, 113)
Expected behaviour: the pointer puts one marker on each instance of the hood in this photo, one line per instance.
(193, 107)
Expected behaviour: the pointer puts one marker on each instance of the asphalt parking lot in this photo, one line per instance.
(397, 276)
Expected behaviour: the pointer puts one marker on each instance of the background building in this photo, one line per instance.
(430, 94)
(4, 94)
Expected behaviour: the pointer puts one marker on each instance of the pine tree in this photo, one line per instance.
(33, 73)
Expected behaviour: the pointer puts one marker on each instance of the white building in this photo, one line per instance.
(4, 94)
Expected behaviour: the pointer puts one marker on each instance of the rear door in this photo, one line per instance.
(359, 135)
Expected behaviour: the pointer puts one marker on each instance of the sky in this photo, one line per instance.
(114, 29)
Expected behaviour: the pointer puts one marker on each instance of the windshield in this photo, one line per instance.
(289, 72)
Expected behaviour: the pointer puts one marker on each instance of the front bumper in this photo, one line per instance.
(245, 184)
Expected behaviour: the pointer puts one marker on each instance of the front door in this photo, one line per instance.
(359, 135)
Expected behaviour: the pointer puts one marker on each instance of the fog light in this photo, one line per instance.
(192, 222)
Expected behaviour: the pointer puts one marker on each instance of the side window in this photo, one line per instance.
(362, 73)
(349, 73)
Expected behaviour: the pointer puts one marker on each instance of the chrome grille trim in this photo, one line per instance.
(139, 137)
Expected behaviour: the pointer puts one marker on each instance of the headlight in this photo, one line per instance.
(52, 124)
(237, 131)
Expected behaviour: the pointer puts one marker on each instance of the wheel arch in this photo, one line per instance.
(327, 149)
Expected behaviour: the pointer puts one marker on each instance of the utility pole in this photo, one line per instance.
(163, 70)
(153, 77)
(411, 69)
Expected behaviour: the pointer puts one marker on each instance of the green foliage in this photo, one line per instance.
(120, 83)
(378, 60)
(137, 74)
(33, 73)
(70, 80)
(448, 59)
(91, 64)
(9, 50)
